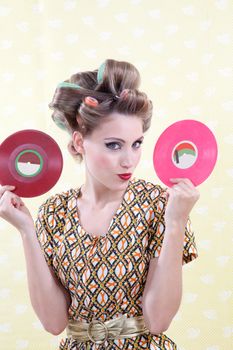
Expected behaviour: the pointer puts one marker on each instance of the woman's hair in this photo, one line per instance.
(111, 88)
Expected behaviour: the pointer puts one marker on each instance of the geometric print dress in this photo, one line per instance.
(106, 275)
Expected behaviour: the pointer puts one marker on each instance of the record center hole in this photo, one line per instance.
(28, 163)
(184, 154)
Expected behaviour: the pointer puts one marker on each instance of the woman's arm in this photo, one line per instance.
(163, 290)
(49, 298)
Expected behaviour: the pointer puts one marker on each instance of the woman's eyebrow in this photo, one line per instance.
(117, 139)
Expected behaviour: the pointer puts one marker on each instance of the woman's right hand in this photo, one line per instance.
(13, 209)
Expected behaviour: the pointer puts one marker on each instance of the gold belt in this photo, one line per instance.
(98, 331)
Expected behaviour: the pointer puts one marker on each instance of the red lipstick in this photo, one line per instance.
(125, 176)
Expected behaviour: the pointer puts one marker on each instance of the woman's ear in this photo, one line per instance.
(77, 142)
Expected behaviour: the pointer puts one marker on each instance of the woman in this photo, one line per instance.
(113, 249)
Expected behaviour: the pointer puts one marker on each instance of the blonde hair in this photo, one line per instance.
(114, 88)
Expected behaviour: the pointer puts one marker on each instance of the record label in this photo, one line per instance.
(186, 149)
(30, 160)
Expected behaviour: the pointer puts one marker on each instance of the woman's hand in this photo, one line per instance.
(13, 210)
(181, 199)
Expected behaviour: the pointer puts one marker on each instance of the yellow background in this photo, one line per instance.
(183, 50)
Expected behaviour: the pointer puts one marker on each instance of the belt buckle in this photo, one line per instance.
(90, 333)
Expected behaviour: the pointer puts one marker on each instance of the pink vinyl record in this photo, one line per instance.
(186, 149)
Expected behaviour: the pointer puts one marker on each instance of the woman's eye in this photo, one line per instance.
(137, 144)
(113, 145)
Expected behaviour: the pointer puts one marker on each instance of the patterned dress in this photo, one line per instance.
(105, 276)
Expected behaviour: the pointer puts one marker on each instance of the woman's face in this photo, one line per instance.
(113, 149)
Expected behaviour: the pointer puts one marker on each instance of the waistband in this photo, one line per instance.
(98, 332)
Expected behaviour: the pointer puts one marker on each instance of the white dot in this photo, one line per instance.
(201, 210)
(5, 293)
(88, 20)
(57, 56)
(226, 72)
(228, 106)
(204, 244)
(103, 3)
(159, 80)
(193, 76)
(20, 309)
(72, 38)
(221, 4)
(190, 44)
(41, 74)
(5, 327)
(207, 279)
(224, 39)
(205, 25)
(122, 17)
(210, 91)
(216, 192)
(6, 44)
(91, 53)
(188, 10)
(55, 23)
(172, 29)
(223, 260)
(37, 325)
(138, 32)
(124, 50)
(27, 92)
(105, 35)
(69, 5)
(227, 331)
(228, 139)
(8, 76)
(141, 64)
(41, 41)
(157, 47)
(135, 2)
(38, 7)
(230, 172)
(193, 333)
(225, 295)
(194, 110)
(19, 275)
(4, 11)
(4, 259)
(25, 59)
(210, 314)
(156, 13)
(174, 61)
(219, 225)
(207, 58)
(23, 26)
(190, 297)
(9, 110)
(22, 344)
(176, 95)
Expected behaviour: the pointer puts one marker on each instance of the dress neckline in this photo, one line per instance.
(119, 209)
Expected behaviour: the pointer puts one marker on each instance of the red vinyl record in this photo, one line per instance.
(186, 149)
(31, 161)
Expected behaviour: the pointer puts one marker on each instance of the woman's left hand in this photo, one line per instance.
(181, 199)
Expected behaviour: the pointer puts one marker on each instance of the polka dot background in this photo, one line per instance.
(183, 50)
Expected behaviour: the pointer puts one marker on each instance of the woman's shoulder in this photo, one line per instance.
(59, 200)
(147, 188)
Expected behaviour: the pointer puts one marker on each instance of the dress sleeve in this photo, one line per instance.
(158, 229)
(44, 231)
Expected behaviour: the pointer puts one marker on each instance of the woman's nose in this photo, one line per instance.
(127, 161)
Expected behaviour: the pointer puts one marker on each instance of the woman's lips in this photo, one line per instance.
(125, 176)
